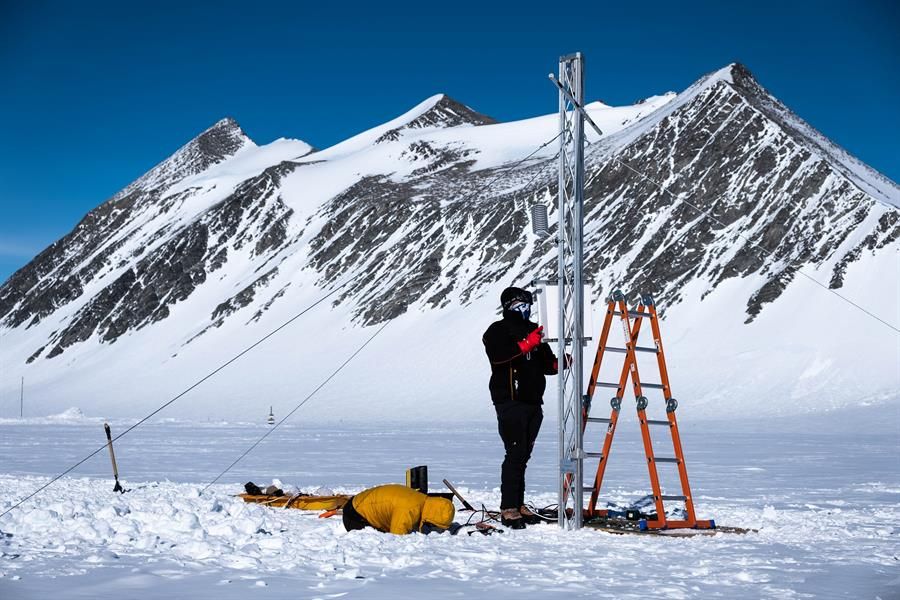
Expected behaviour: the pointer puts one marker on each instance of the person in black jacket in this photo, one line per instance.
(520, 361)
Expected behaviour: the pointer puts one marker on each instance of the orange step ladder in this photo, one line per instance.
(631, 321)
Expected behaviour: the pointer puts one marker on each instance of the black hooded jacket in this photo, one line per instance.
(516, 376)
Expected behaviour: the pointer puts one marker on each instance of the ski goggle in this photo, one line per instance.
(523, 308)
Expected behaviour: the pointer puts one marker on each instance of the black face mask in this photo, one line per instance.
(522, 309)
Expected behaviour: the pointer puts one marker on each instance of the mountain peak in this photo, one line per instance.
(447, 112)
(226, 122)
(739, 71)
(213, 145)
(866, 178)
(439, 110)
(726, 74)
(223, 139)
(742, 79)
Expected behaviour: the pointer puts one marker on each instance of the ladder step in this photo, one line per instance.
(653, 386)
(600, 420)
(593, 455)
(652, 422)
(636, 349)
(633, 313)
(665, 459)
(613, 386)
(674, 498)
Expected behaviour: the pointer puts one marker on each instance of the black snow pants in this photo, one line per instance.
(519, 424)
(352, 519)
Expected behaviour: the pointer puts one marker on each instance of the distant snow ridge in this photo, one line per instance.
(225, 239)
(69, 416)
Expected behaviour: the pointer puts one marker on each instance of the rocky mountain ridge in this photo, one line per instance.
(686, 196)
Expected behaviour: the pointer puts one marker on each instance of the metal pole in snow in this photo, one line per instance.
(22, 399)
(112, 457)
(571, 291)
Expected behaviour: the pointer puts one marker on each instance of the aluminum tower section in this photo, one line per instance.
(571, 289)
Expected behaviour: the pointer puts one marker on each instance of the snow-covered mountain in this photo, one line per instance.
(423, 220)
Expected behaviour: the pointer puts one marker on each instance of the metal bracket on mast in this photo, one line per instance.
(578, 105)
(571, 290)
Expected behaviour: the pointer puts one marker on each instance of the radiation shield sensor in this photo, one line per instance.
(546, 297)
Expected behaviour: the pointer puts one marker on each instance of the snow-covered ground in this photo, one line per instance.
(826, 504)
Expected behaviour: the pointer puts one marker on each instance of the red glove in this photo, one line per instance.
(532, 341)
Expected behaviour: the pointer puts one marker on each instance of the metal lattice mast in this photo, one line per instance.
(571, 288)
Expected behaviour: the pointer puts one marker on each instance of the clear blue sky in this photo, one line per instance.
(93, 94)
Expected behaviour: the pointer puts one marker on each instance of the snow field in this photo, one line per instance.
(84, 529)
(826, 509)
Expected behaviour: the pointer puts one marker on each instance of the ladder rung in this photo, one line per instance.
(593, 454)
(665, 459)
(652, 422)
(636, 349)
(600, 420)
(633, 313)
(653, 386)
(675, 498)
(613, 386)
